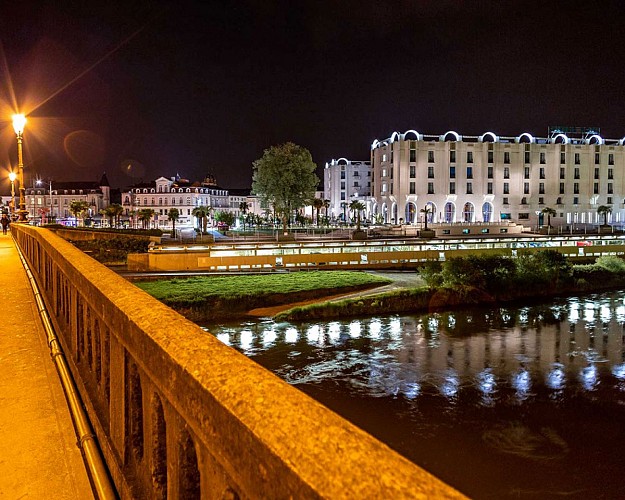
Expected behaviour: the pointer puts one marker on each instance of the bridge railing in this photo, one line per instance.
(180, 415)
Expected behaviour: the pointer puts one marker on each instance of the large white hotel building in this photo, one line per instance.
(491, 178)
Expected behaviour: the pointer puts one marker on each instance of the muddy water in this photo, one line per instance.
(500, 403)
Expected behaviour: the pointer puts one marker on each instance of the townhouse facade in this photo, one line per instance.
(345, 181)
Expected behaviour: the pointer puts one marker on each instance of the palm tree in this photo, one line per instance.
(604, 210)
(357, 207)
(201, 213)
(426, 211)
(173, 215)
(145, 215)
(117, 210)
(78, 207)
(243, 208)
(549, 212)
(317, 204)
(326, 205)
(344, 207)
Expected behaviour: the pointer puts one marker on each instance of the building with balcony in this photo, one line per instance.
(491, 178)
(345, 181)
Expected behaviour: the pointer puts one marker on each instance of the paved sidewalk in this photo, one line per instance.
(38, 453)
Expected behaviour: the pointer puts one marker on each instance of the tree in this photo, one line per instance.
(243, 208)
(357, 207)
(201, 213)
(285, 178)
(318, 204)
(78, 207)
(173, 215)
(604, 210)
(549, 212)
(344, 206)
(113, 211)
(145, 216)
(225, 217)
(326, 205)
(426, 211)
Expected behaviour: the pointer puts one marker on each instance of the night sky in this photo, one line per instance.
(143, 89)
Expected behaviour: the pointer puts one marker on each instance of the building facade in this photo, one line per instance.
(345, 181)
(50, 199)
(491, 178)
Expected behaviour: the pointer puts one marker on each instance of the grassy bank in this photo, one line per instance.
(205, 298)
(477, 280)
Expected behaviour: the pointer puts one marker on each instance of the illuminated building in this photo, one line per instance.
(345, 181)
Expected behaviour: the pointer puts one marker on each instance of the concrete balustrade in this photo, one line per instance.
(180, 415)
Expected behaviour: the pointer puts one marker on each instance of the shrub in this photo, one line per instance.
(611, 263)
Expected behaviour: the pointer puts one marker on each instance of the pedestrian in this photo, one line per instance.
(5, 223)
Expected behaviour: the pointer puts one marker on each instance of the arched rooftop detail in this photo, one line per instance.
(414, 132)
(375, 144)
(519, 139)
(395, 137)
(458, 137)
(565, 139)
(344, 160)
(596, 137)
(482, 137)
(621, 142)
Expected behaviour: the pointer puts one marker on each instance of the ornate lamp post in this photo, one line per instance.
(12, 177)
(18, 125)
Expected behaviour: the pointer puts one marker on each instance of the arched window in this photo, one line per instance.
(411, 211)
(450, 212)
(487, 212)
(432, 211)
(468, 212)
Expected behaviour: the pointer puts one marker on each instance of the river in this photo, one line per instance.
(509, 402)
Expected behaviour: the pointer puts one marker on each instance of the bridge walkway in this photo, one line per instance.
(39, 457)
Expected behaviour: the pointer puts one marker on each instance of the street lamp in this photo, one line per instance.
(12, 177)
(18, 125)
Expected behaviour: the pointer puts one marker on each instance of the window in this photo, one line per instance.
(562, 158)
(412, 188)
(506, 188)
(452, 157)
(342, 185)
(383, 157)
(562, 172)
(469, 188)
(506, 157)
(452, 188)
(506, 172)
(430, 188)
(527, 157)
(524, 215)
(611, 159)
(524, 201)
(576, 188)
(609, 200)
(575, 200)
(541, 201)
(391, 172)
(469, 156)
(391, 156)
(413, 171)
(576, 158)
(526, 188)
(430, 156)
(595, 188)
(541, 172)
(452, 172)
(542, 159)
(562, 188)
(356, 184)
(597, 159)
(343, 174)
(559, 201)
(596, 173)
(469, 172)
(489, 188)
(413, 155)
(490, 172)
(541, 188)
(576, 173)
(343, 194)
(490, 157)
(505, 202)
(526, 173)
(610, 189)
(430, 172)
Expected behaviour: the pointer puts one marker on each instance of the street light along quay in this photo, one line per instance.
(12, 177)
(19, 121)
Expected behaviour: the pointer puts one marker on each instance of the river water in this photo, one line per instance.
(524, 402)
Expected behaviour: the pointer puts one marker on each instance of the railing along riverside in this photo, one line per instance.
(180, 415)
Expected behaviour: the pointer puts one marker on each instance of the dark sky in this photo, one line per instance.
(198, 87)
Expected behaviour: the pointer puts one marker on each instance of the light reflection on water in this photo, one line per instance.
(513, 386)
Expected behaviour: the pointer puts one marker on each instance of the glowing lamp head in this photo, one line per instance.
(12, 176)
(18, 123)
